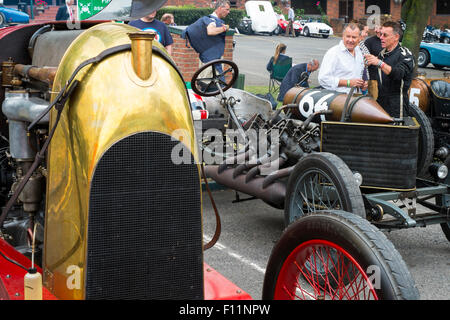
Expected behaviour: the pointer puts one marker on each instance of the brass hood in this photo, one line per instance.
(111, 102)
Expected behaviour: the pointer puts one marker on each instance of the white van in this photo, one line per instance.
(263, 17)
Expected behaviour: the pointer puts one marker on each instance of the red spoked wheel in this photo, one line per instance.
(336, 255)
(321, 270)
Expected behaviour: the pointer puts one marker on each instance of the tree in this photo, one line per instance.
(415, 14)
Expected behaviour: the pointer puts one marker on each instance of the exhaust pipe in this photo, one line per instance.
(273, 194)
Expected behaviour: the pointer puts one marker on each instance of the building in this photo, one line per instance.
(344, 9)
(335, 9)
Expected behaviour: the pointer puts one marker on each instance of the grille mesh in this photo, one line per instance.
(144, 231)
(386, 156)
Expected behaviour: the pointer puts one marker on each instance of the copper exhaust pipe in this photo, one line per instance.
(282, 173)
(273, 195)
(257, 170)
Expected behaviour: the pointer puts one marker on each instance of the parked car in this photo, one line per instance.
(12, 16)
(316, 28)
(263, 18)
(445, 36)
(434, 52)
(283, 23)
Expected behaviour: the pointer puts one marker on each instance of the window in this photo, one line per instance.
(385, 5)
(261, 8)
(442, 6)
(309, 6)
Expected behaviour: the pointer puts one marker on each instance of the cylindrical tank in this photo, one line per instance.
(363, 108)
(419, 94)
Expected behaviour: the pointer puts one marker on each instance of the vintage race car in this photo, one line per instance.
(12, 16)
(315, 28)
(433, 52)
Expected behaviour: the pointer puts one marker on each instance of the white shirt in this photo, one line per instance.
(339, 63)
(291, 14)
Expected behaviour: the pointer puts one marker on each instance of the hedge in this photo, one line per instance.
(187, 15)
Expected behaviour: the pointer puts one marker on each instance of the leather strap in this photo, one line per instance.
(216, 236)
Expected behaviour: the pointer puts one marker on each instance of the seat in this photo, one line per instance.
(441, 99)
(279, 71)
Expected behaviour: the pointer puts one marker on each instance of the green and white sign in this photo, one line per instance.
(88, 8)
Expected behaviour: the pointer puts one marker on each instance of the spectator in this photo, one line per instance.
(149, 23)
(168, 19)
(343, 64)
(291, 18)
(373, 45)
(66, 12)
(207, 34)
(297, 76)
(279, 56)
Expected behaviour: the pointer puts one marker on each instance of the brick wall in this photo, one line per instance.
(440, 19)
(333, 9)
(396, 11)
(187, 59)
(201, 3)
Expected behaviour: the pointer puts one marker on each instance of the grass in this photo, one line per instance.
(261, 90)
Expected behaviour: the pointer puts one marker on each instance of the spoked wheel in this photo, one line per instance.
(217, 73)
(336, 255)
(321, 181)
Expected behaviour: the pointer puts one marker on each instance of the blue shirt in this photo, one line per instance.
(162, 32)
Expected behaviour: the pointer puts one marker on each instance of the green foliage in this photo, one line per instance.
(188, 14)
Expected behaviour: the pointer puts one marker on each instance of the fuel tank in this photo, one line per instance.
(420, 93)
(362, 109)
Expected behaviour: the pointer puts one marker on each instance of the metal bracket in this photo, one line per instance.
(393, 210)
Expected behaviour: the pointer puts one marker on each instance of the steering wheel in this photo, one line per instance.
(215, 80)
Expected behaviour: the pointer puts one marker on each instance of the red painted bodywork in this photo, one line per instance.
(216, 286)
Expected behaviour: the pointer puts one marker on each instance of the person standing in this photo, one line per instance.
(343, 64)
(373, 45)
(395, 67)
(66, 12)
(150, 23)
(291, 18)
(207, 34)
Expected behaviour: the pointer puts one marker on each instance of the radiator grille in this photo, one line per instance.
(144, 229)
(386, 156)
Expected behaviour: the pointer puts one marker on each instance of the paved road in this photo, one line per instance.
(253, 52)
(251, 228)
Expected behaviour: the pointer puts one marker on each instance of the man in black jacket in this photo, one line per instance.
(66, 12)
(395, 66)
(373, 44)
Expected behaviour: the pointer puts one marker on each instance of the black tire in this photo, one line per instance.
(423, 59)
(379, 262)
(278, 30)
(306, 32)
(438, 66)
(337, 190)
(446, 229)
(2, 20)
(325, 36)
(426, 140)
(297, 33)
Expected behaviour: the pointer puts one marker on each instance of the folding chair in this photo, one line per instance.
(278, 73)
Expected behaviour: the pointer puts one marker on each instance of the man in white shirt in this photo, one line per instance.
(343, 64)
(291, 18)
